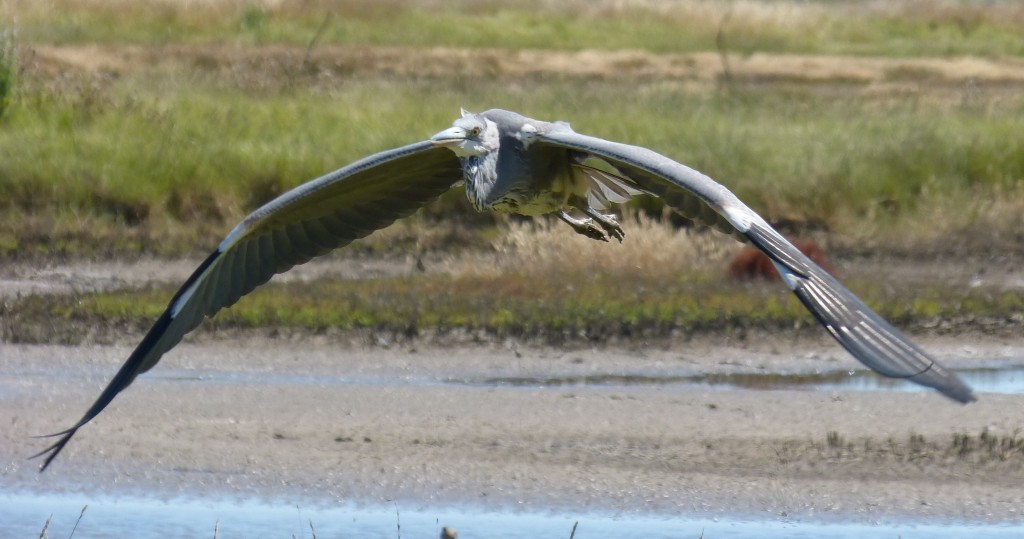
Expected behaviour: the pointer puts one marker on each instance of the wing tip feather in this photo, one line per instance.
(54, 449)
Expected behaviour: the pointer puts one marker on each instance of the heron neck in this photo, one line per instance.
(481, 175)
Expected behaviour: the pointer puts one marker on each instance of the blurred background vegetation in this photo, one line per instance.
(134, 128)
(154, 126)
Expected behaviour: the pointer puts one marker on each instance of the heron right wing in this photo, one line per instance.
(865, 334)
(308, 221)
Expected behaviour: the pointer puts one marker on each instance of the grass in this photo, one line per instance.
(165, 159)
(94, 164)
(596, 308)
(569, 290)
(867, 27)
(127, 157)
(8, 68)
(986, 448)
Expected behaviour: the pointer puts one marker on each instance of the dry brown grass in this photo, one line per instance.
(546, 246)
(961, 222)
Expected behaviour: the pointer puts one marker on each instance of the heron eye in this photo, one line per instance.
(474, 132)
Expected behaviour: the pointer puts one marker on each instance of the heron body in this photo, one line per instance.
(505, 172)
(508, 163)
(502, 173)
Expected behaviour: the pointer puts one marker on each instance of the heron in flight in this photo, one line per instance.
(509, 163)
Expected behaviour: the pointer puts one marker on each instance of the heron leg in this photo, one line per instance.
(582, 226)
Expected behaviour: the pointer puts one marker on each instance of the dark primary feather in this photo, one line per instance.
(869, 337)
(305, 222)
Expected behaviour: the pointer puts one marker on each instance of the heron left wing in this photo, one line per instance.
(865, 334)
(308, 221)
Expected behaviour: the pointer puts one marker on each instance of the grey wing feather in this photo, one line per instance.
(307, 221)
(604, 188)
(866, 335)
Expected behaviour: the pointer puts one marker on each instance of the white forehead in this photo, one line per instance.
(470, 121)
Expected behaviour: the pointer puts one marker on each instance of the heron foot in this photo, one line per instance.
(585, 227)
(608, 223)
(612, 227)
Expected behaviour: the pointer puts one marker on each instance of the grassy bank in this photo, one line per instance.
(542, 284)
(598, 308)
(164, 157)
(166, 163)
(120, 153)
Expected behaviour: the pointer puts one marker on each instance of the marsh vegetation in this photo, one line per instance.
(128, 131)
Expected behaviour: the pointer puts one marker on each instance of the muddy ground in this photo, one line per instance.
(332, 421)
(347, 418)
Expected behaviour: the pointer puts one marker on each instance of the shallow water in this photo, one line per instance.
(25, 514)
(1008, 380)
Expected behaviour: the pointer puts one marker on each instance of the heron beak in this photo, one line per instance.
(449, 137)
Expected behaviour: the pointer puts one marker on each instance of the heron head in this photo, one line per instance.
(471, 135)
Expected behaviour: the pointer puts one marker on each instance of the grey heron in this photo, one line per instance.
(509, 163)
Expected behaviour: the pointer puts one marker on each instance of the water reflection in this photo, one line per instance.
(25, 514)
(1001, 379)
(984, 380)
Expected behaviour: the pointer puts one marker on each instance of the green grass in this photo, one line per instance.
(185, 155)
(166, 159)
(934, 27)
(580, 307)
(8, 68)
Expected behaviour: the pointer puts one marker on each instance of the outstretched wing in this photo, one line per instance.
(307, 221)
(865, 334)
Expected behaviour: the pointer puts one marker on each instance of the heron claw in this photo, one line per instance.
(615, 230)
(588, 229)
(611, 227)
(585, 227)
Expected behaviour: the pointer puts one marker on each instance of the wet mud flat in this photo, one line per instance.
(337, 422)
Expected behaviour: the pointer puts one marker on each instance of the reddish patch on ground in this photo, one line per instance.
(751, 263)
